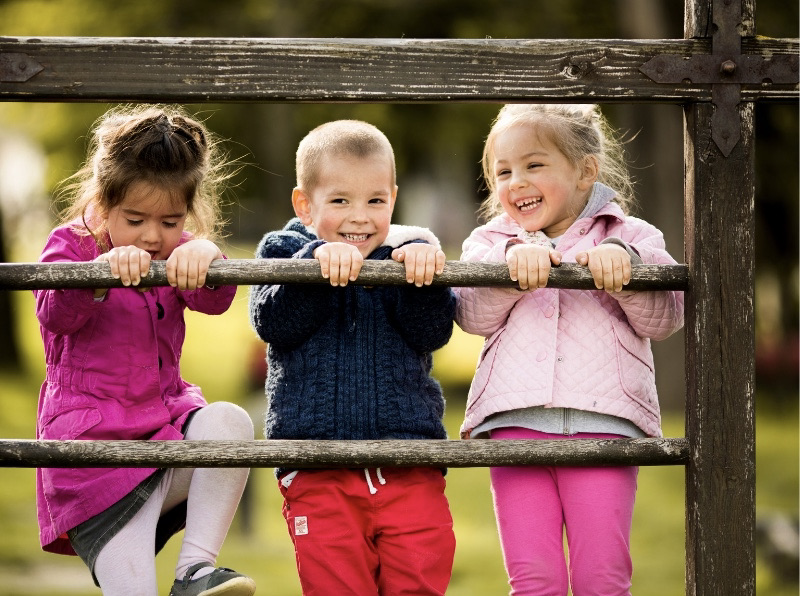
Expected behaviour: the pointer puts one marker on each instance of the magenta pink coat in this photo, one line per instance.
(113, 372)
(581, 349)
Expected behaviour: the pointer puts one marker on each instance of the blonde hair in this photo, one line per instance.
(339, 137)
(158, 145)
(578, 131)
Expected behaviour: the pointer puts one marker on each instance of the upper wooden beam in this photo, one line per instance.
(195, 70)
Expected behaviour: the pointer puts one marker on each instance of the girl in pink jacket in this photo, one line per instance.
(113, 359)
(563, 363)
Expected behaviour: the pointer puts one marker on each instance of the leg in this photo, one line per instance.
(598, 507)
(327, 514)
(213, 493)
(530, 522)
(414, 533)
(126, 566)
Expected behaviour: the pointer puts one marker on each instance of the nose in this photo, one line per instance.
(518, 180)
(358, 214)
(151, 233)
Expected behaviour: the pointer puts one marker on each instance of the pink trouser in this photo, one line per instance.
(534, 504)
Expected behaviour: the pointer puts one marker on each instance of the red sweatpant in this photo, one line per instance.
(350, 540)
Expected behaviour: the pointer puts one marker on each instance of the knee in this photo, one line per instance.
(223, 421)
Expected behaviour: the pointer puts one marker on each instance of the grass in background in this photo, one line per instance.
(218, 354)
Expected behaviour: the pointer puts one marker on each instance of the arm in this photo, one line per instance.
(287, 315)
(66, 311)
(422, 316)
(655, 315)
(187, 268)
(482, 311)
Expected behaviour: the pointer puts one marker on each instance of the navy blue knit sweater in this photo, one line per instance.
(352, 362)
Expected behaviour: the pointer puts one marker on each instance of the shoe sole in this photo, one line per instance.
(239, 586)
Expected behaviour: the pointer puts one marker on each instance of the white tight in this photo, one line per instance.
(126, 565)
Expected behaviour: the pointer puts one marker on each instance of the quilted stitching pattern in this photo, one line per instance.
(568, 348)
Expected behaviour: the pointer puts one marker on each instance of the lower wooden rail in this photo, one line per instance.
(27, 453)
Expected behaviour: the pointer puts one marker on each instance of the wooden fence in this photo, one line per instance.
(717, 72)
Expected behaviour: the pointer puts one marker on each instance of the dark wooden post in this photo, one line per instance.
(720, 253)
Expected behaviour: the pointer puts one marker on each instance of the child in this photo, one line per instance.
(563, 363)
(113, 355)
(351, 362)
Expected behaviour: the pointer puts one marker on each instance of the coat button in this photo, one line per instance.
(583, 231)
(160, 310)
(549, 312)
(560, 358)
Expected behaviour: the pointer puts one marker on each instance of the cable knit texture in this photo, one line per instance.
(352, 362)
(581, 349)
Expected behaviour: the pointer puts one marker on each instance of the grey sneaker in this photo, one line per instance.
(220, 582)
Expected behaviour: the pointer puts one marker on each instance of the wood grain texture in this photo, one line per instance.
(30, 276)
(720, 348)
(195, 70)
(337, 454)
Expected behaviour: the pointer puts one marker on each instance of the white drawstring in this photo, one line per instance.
(372, 489)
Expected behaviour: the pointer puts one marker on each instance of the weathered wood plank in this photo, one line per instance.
(194, 70)
(337, 454)
(720, 251)
(29, 276)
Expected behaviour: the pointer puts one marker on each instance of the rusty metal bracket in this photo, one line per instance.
(17, 67)
(726, 69)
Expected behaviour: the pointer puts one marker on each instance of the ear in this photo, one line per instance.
(589, 172)
(393, 198)
(302, 206)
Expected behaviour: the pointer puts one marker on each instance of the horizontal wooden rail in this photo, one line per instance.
(194, 70)
(341, 454)
(32, 276)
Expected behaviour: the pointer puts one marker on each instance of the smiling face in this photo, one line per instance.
(535, 182)
(352, 201)
(149, 218)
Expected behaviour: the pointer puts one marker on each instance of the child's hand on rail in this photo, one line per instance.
(187, 266)
(529, 264)
(422, 261)
(128, 264)
(340, 262)
(610, 265)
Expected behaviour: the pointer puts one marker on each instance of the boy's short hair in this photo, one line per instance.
(339, 137)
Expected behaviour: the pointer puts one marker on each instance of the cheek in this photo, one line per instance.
(172, 238)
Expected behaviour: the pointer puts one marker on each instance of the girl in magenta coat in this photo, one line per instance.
(113, 359)
(561, 364)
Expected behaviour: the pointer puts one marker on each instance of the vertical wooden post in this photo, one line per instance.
(720, 344)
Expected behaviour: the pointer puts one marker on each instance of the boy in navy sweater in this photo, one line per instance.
(354, 362)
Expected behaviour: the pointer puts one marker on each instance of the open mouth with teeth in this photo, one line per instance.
(356, 238)
(529, 204)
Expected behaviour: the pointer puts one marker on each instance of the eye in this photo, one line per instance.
(339, 201)
(377, 200)
(134, 222)
(170, 224)
(533, 165)
(501, 173)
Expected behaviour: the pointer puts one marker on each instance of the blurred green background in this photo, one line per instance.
(438, 150)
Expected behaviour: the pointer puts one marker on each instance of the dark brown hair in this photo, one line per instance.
(157, 145)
